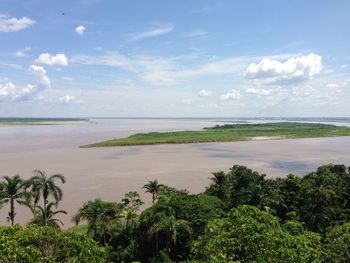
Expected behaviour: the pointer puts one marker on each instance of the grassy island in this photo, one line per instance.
(231, 132)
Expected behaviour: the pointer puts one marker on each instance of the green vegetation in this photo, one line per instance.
(35, 244)
(154, 188)
(79, 229)
(240, 217)
(250, 235)
(12, 191)
(37, 121)
(231, 132)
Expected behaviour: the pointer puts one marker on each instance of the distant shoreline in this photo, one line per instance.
(39, 121)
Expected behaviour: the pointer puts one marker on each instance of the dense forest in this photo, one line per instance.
(242, 216)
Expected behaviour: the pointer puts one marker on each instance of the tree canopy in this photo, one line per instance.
(242, 216)
(46, 244)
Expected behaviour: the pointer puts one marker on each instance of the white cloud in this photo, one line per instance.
(208, 106)
(152, 33)
(7, 89)
(10, 65)
(10, 92)
(80, 30)
(258, 91)
(27, 93)
(68, 78)
(304, 91)
(344, 66)
(52, 60)
(334, 87)
(294, 70)
(37, 69)
(197, 33)
(13, 24)
(231, 95)
(112, 59)
(170, 71)
(187, 101)
(204, 9)
(162, 71)
(204, 93)
(43, 81)
(67, 99)
(22, 52)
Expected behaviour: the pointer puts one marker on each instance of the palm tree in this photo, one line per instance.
(168, 225)
(44, 185)
(154, 188)
(100, 216)
(45, 217)
(219, 180)
(12, 189)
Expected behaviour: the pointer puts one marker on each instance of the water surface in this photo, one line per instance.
(110, 172)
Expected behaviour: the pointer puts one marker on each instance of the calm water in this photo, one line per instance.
(110, 172)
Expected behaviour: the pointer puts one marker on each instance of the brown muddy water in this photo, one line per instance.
(108, 173)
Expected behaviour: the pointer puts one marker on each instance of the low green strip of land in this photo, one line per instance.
(231, 132)
(38, 121)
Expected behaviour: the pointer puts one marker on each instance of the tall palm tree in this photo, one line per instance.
(100, 216)
(12, 189)
(219, 179)
(167, 225)
(42, 185)
(46, 217)
(154, 188)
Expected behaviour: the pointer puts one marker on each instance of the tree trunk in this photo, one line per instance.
(153, 198)
(45, 219)
(12, 213)
(156, 243)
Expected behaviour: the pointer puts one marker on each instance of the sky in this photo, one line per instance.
(193, 58)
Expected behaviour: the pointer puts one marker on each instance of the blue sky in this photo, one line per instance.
(174, 58)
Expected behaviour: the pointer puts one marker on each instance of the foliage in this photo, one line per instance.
(131, 204)
(79, 229)
(170, 225)
(219, 186)
(241, 217)
(251, 235)
(45, 244)
(154, 188)
(12, 189)
(46, 216)
(293, 227)
(320, 199)
(42, 185)
(337, 244)
(197, 210)
(100, 216)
